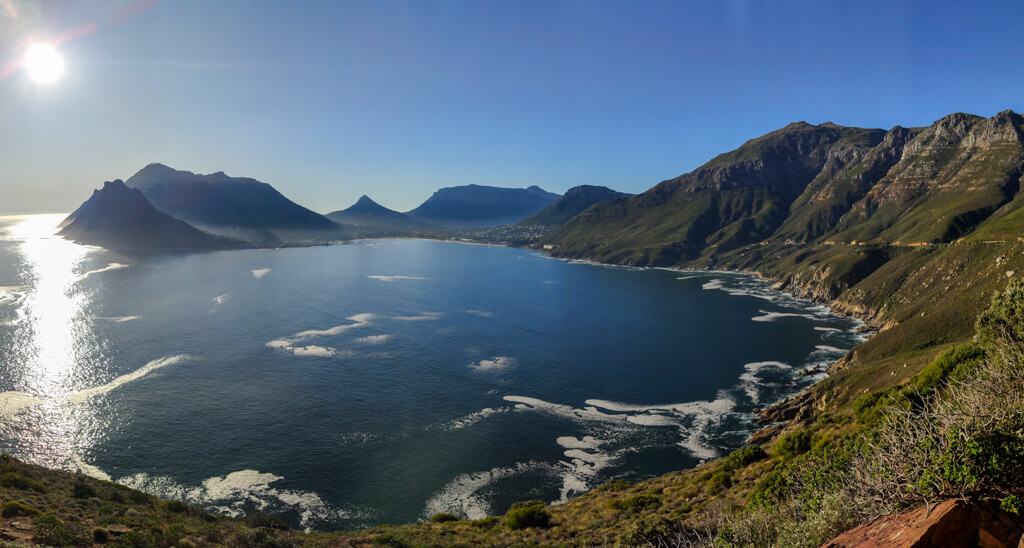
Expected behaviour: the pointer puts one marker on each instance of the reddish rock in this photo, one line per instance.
(950, 524)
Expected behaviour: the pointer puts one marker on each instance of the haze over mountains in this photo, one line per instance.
(244, 212)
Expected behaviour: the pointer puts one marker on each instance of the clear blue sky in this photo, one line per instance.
(331, 100)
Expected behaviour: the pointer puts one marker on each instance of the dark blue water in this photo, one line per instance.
(382, 381)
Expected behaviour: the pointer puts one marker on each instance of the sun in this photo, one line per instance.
(43, 64)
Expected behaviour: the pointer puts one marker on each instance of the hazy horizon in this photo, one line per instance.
(397, 99)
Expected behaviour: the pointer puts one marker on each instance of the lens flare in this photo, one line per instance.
(43, 64)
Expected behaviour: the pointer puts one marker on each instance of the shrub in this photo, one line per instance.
(744, 456)
(14, 508)
(83, 490)
(133, 539)
(391, 539)
(793, 444)
(100, 535)
(443, 517)
(1011, 504)
(649, 530)
(642, 500)
(116, 496)
(528, 514)
(259, 519)
(261, 538)
(15, 480)
(54, 532)
(176, 506)
(615, 486)
(719, 480)
(486, 523)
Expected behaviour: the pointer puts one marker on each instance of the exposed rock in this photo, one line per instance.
(950, 524)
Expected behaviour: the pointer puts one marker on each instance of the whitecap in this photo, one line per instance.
(396, 278)
(373, 339)
(260, 272)
(109, 267)
(497, 363)
(479, 313)
(221, 299)
(423, 316)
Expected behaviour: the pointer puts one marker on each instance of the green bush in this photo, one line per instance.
(391, 539)
(176, 506)
(15, 480)
(133, 539)
(14, 508)
(1011, 504)
(83, 490)
(719, 480)
(116, 496)
(1001, 325)
(744, 456)
(793, 444)
(532, 513)
(954, 363)
(54, 532)
(261, 538)
(259, 519)
(642, 500)
(100, 535)
(649, 530)
(486, 523)
(615, 486)
(443, 517)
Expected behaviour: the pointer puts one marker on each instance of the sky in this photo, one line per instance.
(331, 100)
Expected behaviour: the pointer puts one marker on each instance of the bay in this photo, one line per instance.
(383, 381)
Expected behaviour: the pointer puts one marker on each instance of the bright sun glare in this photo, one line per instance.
(43, 64)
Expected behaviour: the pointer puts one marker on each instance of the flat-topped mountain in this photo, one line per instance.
(118, 217)
(576, 200)
(474, 206)
(369, 215)
(237, 206)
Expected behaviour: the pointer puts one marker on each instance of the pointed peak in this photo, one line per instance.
(365, 200)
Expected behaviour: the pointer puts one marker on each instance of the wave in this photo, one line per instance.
(234, 493)
(116, 319)
(423, 316)
(396, 278)
(13, 403)
(290, 343)
(497, 363)
(109, 267)
(373, 339)
(221, 299)
(260, 272)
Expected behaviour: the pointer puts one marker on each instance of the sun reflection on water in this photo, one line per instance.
(53, 351)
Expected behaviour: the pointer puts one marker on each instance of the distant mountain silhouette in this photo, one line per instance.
(118, 217)
(366, 214)
(576, 200)
(473, 206)
(237, 206)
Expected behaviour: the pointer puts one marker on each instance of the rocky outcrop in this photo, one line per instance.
(118, 217)
(950, 524)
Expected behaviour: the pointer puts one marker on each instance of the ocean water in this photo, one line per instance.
(382, 381)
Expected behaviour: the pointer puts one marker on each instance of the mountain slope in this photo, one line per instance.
(117, 217)
(235, 205)
(367, 214)
(476, 206)
(576, 200)
(912, 228)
